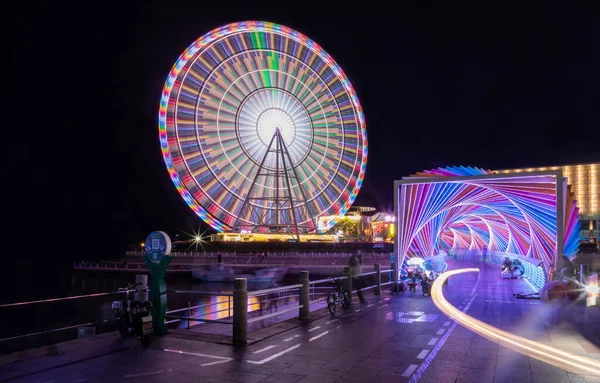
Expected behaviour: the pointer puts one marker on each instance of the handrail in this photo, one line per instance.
(273, 290)
(369, 273)
(59, 329)
(210, 293)
(199, 306)
(199, 320)
(275, 314)
(64, 298)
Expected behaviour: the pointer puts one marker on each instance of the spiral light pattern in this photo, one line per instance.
(514, 215)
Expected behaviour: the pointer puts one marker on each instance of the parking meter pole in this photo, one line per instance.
(157, 257)
(158, 292)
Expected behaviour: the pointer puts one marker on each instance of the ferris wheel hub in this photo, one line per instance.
(267, 110)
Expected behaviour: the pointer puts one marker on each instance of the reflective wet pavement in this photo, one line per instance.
(391, 338)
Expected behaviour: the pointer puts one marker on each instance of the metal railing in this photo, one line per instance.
(62, 299)
(15, 304)
(307, 292)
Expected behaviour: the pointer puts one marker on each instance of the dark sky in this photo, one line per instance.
(494, 87)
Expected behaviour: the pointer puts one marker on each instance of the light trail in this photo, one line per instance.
(525, 346)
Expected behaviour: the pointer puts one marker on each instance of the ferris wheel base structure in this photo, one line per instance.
(271, 237)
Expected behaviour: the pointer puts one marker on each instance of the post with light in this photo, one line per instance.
(157, 257)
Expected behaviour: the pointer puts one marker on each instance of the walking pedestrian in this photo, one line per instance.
(355, 264)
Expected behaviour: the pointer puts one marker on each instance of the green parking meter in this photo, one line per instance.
(157, 256)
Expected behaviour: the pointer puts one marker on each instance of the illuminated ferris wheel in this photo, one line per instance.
(261, 130)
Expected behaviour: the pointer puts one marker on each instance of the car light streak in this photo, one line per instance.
(525, 346)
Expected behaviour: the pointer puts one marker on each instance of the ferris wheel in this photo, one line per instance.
(261, 130)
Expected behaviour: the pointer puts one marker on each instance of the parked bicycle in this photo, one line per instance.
(337, 296)
(135, 319)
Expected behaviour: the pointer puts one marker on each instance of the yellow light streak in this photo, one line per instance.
(523, 345)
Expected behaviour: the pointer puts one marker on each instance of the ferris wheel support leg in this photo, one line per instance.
(312, 217)
(287, 180)
(158, 292)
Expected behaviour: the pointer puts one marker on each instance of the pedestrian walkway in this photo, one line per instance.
(392, 338)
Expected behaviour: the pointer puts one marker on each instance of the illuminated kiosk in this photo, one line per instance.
(530, 216)
(261, 131)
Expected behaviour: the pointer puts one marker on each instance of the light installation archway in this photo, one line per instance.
(527, 214)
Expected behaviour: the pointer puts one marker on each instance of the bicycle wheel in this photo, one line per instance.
(345, 301)
(331, 298)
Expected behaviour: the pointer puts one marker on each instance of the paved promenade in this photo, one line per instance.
(392, 338)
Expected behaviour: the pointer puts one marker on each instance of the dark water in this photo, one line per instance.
(47, 316)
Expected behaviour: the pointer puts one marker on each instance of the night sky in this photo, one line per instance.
(493, 87)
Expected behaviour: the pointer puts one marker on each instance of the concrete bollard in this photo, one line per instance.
(240, 311)
(377, 279)
(141, 287)
(348, 284)
(304, 296)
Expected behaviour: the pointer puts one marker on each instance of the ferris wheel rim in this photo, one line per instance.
(212, 37)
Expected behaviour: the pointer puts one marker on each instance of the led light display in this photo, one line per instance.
(516, 215)
(221, 104)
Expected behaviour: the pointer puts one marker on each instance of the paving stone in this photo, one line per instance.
(580, 378)
(512, 375)
(389, 377)
(283, 377)
(453, 356)
(482, 353)
(471, 375)
(319, 379)
(360, 374)
(516, 361)
(479, 364)
(244, 376)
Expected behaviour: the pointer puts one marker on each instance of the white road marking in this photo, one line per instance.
(318, 336)
(432, 341)
(440, 331)
(369, 305)
(423, 354)
(427, 361)
(346, 315)
(331, 321)
(264, 349)
(314, 328)
(273, 356)
(217, 362)
(195, 353)
(410, 370)
(447, 323)
(380, 307)
(357, 311)
(295, 336)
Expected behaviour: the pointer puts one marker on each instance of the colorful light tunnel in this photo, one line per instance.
(466, 209)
